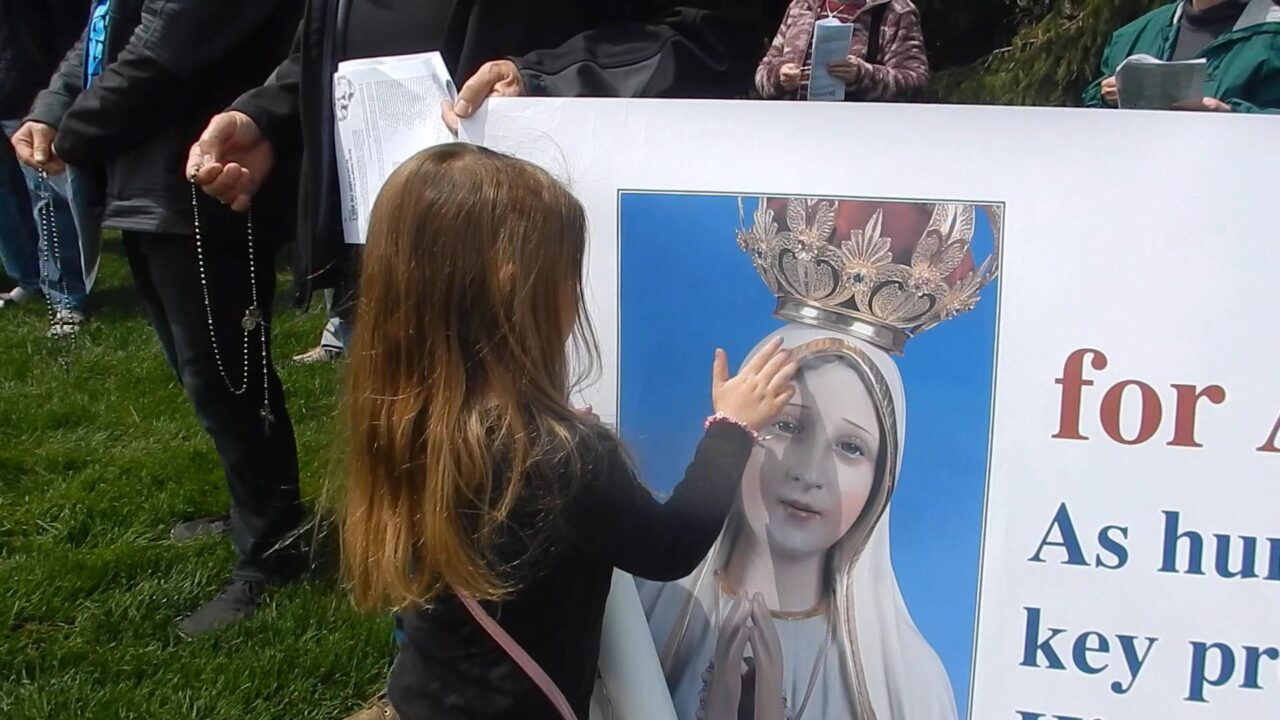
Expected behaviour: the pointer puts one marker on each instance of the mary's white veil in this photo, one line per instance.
(890, 670)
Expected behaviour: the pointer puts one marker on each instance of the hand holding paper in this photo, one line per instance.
(849, 70)
(1204, 104)
(500, 78)
(231, 159)
(1110, 93)
(789, 76)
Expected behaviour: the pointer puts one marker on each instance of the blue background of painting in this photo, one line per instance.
(686, 288)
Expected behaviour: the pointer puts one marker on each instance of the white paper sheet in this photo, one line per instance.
(831, 39)
(1146, 83)
(385, 110)
(630, 671)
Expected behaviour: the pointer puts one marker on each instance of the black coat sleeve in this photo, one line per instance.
(664, 49)
(617, 519)
(54, 101)
(174, 41)
(274, 106)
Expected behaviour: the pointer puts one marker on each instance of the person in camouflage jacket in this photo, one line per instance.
(886, 62)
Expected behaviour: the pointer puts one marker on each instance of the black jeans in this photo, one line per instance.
(260, 461)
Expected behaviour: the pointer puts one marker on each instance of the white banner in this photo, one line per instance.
(1086, 522)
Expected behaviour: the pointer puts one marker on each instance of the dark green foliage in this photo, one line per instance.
(1049, 60)
(961, 33)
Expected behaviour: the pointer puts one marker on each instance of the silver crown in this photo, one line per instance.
(846, 279)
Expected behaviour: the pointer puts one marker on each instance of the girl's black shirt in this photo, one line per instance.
(448, 668)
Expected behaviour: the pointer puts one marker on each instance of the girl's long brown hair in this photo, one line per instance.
(458, 380)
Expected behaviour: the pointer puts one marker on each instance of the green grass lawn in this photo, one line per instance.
(95, 467)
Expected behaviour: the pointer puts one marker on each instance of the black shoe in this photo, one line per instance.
(201, 527)
(237, 601)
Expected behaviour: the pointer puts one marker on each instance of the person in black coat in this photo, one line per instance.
(33, 38)
(133, 94)
(619, 48)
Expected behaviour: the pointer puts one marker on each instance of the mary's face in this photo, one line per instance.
(809, 481)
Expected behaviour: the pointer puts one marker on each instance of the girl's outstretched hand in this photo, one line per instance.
(759, 392)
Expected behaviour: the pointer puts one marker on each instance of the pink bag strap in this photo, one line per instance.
(517, 653)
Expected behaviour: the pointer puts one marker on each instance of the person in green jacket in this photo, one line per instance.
(1240, 39)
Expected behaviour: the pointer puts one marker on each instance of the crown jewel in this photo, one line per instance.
(834, 264)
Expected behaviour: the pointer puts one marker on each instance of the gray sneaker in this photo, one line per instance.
(200, 527)
(321, 354)
(16, 296)
(237, 601)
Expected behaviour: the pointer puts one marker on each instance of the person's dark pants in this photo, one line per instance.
(260, 461)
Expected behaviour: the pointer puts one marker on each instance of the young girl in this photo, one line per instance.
(470, 474)
(886, 61)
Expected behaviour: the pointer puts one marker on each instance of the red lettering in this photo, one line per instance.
(1073, 382)
(1184, 416)
(1151, 412)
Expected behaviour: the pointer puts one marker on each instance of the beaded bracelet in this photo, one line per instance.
(721, 417)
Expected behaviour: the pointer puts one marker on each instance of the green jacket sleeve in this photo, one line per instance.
(1248, 107)
(1093, 94)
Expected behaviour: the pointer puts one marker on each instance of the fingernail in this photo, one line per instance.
(462, 108)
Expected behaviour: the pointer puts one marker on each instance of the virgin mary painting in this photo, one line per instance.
(796, 613)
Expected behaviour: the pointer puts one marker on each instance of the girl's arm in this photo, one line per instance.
(616, 518)
(905, 72)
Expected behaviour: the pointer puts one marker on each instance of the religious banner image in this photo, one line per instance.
(816, 601)
(1027, 474)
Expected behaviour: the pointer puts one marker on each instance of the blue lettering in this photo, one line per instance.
(1033, 648)
(1172, 542)
(1082, 648)
(1114, 546)
(1252, 663)
(1226, 667)
(1248, 557)
(1133, 660)
(1069, 541)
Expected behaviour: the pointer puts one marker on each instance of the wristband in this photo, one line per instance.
(721, 417)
